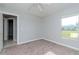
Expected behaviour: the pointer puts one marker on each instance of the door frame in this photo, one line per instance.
(3, 12)
(6, 29)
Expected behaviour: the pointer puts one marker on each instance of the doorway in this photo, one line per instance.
(9, 30)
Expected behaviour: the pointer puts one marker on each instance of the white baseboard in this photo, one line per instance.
(27, 41)
(77, 49)
(51, 41)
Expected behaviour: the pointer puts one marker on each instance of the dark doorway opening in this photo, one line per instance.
(10, 29)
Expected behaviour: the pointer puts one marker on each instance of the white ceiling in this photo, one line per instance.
(46, 9)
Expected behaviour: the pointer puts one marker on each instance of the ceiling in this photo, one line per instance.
(40, 9)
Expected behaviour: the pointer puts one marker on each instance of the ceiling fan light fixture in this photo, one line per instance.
(40, 8)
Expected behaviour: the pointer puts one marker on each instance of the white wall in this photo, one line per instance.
(53, 27)
(28, 28)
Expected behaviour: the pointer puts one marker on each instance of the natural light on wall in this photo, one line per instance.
(70, 27)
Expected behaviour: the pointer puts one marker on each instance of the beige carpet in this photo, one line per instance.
(39, 47)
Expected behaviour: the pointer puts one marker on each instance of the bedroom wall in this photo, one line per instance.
(29, 28)
(53, 27)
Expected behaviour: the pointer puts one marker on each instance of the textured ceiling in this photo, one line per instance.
(35, 9)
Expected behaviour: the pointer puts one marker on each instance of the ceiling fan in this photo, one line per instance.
(40, 6)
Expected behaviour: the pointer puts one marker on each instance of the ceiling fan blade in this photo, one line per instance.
(38, 5)
(40, 8)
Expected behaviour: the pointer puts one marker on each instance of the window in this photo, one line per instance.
(70, 27)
